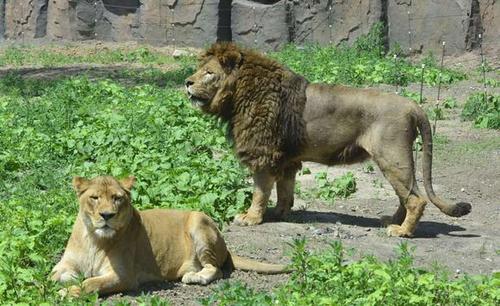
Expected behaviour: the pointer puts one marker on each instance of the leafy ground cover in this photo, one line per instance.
(484, 109)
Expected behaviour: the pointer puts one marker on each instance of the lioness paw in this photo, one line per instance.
(395, 230)
(72, 291)
(247, 220)
(194, 278)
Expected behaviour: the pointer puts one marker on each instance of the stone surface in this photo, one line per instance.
(2, 19)
(25, 19)
(263, 24)
(429, 23)
(259, 25)
(489, 11)
(323, 21)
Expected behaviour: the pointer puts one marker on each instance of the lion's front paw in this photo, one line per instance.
(395, 230)
(247, 219)
(72, 291)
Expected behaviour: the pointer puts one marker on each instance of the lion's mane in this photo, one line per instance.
(264, 104)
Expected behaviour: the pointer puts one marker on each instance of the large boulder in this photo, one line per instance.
(489, 12)
(424, 25)
(2, 19)
(260, 24)
(25, 19)
(325, 21)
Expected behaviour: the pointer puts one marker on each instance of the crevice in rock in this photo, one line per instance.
(475, 27)
(121, 7)
(41, 19)
(2, 19)
(224, 31)
(290, 21)
(384, 18)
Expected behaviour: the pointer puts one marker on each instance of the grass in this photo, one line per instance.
(50, 56)
(325, 278)
(483, 109)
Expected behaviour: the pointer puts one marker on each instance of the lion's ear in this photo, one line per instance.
(230, 59)
(128, 182)
(80, 183)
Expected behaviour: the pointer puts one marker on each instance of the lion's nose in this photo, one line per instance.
(106, 216)
(189, 83)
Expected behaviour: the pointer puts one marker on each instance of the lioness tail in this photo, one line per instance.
(454, 210)
(246, 264)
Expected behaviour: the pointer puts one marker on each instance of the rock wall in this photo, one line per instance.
(265, 24)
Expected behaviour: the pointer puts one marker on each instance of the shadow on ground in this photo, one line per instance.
(426, 229)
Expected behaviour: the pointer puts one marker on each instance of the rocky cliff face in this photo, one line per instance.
(418, 25)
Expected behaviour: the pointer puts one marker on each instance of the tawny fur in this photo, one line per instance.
(277, 120)
(117, 247)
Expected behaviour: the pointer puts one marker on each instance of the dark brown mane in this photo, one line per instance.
(266, 121)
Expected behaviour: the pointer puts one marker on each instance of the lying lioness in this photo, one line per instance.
(117, 248)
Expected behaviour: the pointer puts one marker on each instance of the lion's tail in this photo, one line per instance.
(246, 264)
(454, 210)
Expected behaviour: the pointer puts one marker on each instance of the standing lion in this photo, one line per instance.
(277, 119)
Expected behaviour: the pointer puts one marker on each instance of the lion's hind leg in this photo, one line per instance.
(209, 250)
(395, 160)
(398, 217)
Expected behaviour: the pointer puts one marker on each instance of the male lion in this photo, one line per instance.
(117, 248)
(277, 119)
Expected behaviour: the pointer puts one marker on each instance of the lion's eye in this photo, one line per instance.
(117, 198)
(209, 72)
(94, 198)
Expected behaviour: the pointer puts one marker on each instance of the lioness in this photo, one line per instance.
(117, 248)
(277, 119)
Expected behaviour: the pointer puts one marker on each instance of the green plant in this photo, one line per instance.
(340, 187)
(483, 109)
(415, 96)
(435, 113)
(450, 102)
(368, 168)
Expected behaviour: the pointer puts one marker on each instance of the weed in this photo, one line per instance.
(415, 96)
(368, 168)
(449, 103)
(483, 109)
(341, 187)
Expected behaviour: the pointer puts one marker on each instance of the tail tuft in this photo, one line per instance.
(461, 209)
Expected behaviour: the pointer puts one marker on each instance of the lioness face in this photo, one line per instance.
(104, 204)
(203, 85)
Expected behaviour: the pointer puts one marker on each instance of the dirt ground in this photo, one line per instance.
(466, 168)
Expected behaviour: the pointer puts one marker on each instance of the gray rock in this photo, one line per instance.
(257, 25)
(489, 24)
(25, 19)
(324, 22)
(429, 23)
(179, 53)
